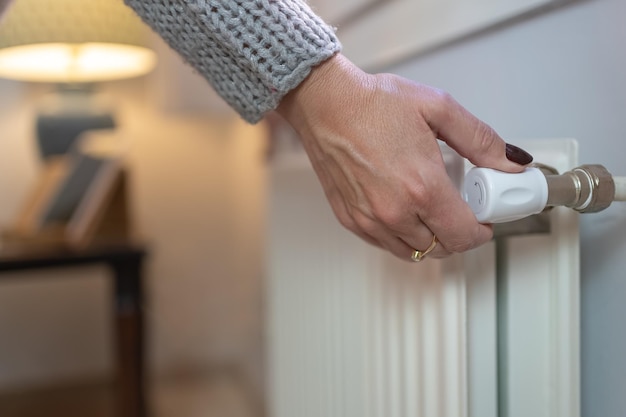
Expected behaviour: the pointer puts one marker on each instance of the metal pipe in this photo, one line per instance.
(620, 188)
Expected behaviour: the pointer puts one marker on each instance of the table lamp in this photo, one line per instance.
(74, 44)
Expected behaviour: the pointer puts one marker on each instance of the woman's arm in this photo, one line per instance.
(372, 139)
(253, 52)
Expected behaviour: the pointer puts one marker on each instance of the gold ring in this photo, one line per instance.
(418, 255)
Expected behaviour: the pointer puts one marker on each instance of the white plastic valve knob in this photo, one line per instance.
(498, 197)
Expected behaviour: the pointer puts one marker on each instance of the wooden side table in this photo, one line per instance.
(125, 262)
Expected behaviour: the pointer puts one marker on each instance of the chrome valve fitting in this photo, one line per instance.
(586, 189)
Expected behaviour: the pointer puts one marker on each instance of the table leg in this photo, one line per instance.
(129, 338)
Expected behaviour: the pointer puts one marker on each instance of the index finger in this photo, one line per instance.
(466, 134)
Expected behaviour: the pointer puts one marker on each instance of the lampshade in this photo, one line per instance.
(73, 41)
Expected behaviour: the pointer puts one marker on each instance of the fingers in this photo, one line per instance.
(470, 137)
(370, 230)
(440, 210)
(399, 242)
(452, 221)
(373, 142)
(391, 240)
(407, 220)
(402, 239)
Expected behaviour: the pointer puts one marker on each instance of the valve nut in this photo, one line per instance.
(601, 187)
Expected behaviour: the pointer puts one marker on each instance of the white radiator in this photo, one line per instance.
(354, 332)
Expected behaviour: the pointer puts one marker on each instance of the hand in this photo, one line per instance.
(372, 140)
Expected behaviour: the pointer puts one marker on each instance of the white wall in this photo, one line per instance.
(561, 74)
(198, 181)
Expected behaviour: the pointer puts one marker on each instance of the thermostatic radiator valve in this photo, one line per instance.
(498, 197)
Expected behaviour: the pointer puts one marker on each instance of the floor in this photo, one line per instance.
(217, 396)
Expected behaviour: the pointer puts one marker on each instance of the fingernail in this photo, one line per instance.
(518, 155)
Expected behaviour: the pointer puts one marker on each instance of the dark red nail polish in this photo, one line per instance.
(518, 155)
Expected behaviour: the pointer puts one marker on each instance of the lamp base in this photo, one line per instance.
(65, 115)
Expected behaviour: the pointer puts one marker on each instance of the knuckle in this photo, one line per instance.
(422, 198)
(341, 211)
(464, 242)
(442, 103)
(395, 211)
(485, 138)
(420, 194)
(459, 245)
(390, 215)
(359, 229)
(444, 98)
(346, 221)
(363, 223)
(400, 212)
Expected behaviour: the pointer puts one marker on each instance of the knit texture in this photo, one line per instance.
(253, 52)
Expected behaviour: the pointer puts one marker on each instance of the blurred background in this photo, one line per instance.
(197, 180)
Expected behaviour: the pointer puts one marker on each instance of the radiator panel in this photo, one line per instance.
(354, 331)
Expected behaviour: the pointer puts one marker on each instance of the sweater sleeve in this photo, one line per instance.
(253, 52)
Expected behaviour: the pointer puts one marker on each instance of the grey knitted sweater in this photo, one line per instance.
(253, 52)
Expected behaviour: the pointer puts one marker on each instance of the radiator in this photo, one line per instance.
(354, 332)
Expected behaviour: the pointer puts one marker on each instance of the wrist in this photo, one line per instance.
(330, 85)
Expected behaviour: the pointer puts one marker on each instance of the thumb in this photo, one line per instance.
(472, 138)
